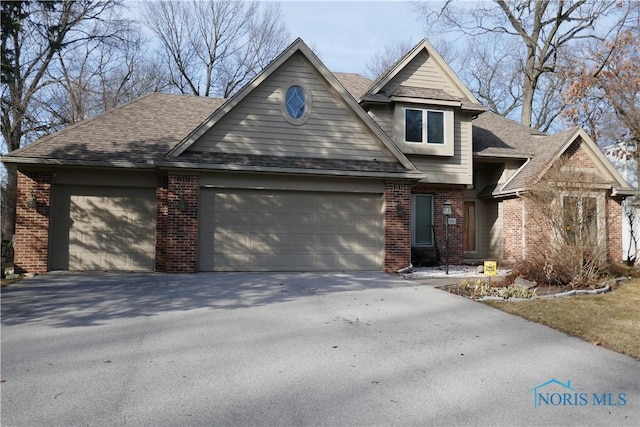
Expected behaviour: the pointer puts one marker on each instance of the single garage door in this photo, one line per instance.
(103, 228)
(259, 230)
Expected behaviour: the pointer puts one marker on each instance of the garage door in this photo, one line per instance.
(103, 228)
(258, 230)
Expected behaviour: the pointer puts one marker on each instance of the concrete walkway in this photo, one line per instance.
(291, 349)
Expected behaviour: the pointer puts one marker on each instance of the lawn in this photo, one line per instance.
(611, 320)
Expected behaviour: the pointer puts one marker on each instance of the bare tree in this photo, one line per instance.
(566, 209)
(212, 48)
(493, 71)
(33, 34)
(97, 77)
(542, 29)
(386, 58)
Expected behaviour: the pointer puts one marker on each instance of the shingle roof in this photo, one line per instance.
(423, 92)
(547, 148)
(141, 130)
(496, 136)
(356, 84)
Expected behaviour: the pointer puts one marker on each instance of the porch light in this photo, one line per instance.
(400, 209)
(446, 208)
(31, 201)
(183, 206)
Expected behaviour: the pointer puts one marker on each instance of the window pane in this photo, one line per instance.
(295, 102)
(413, 125)
(570, 217)
(423, 220)
(589, 219)
(435, 127)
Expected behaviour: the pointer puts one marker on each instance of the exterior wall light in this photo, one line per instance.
(183, 206)
(31, 201)
(400, 209)
(446, 208)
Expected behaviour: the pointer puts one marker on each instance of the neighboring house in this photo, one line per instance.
(301, 170)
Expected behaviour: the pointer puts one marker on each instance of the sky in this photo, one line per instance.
(347, 34)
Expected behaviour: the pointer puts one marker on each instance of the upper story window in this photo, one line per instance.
(427, 131)
(424, 126)
(295, 102)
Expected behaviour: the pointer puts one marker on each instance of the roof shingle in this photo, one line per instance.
(141, 130)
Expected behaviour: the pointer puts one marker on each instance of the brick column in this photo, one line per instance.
(614, 230)
(162, 215)
(512, 229)
(31, 249)
(397, 233)
(182, 224)
(456, 232)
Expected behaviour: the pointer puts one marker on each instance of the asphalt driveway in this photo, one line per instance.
(291, 349)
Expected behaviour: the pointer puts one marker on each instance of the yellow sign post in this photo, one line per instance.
(490, 268)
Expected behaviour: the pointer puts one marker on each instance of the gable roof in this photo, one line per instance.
(136, 133)
(424, 45)
(497, 137)
(298, 46)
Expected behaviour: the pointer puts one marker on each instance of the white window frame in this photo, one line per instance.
(425, 148)
(425, 131)
(413, 221)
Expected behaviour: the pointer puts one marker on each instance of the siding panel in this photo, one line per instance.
(450, 170)
(423, 71)
(257, 126)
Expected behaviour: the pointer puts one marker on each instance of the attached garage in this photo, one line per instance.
(267, 230)
(103, 228)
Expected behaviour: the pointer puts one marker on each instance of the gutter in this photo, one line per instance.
(293, 171)
(149, 164)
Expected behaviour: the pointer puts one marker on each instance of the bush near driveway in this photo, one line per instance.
(611, 320)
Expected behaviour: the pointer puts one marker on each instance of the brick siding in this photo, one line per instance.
(397, 234)
(31, 249)
(614, 230)
(182, 224)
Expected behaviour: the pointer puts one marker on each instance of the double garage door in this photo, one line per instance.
(113, 228)
(259, 230)
(103, 228)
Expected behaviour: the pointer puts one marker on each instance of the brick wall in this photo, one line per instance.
(162, 215)
(456, 232)
(31, 247)
(512, 229)
(397, 236)
(614, 230)
(182, 223)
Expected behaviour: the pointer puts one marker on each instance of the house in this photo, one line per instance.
(301, 170)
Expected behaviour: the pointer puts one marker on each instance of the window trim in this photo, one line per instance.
(308, 103)
(413, 221)
(425, 126)
(601, 219)
(432, 149)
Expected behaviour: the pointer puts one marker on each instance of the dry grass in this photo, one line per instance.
(611, 320)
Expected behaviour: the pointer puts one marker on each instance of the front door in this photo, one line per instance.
(469, 226)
